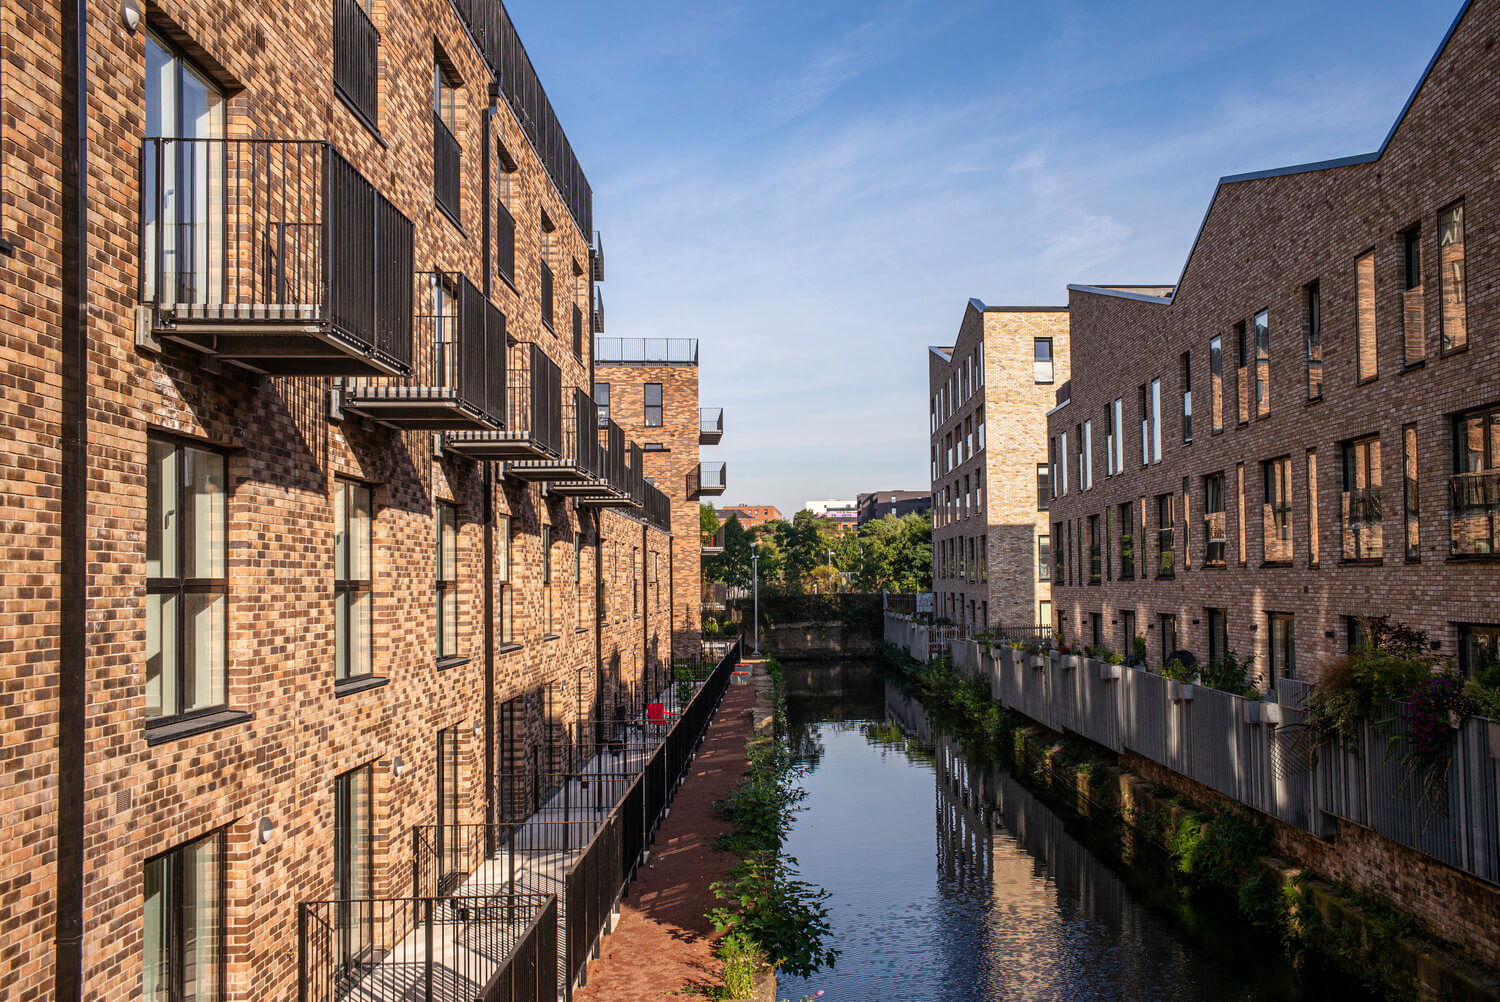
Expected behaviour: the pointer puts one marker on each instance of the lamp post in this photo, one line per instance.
(755, 583)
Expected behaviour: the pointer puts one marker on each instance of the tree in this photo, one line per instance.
(896, 554)
(767, 545)
(805, 541)
(733, 565)
(708, 520)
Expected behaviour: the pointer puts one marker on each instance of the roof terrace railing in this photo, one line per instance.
(647, 351)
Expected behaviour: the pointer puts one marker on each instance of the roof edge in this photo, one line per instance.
(980, 305)
(1139, 297)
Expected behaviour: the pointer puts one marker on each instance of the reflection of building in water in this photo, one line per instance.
(964, 828)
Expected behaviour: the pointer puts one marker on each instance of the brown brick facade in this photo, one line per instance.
(987, 407)
(286, 449)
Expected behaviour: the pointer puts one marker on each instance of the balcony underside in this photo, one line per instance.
(614, 499)
(565, 477)
(420, 408)
(277, 341)
(501, 445)
(712, 551)
(706, 437)
(709, 490)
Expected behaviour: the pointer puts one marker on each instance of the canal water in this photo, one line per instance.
(950, 881)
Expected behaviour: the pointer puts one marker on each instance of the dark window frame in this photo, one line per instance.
(174, 880)
(652, 410)
(346, 585)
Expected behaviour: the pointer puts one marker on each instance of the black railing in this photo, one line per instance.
(445, 160)
(707, 477)
(577, 331)
(649, 350)
(536, 399)
(1359, 512)
(597, 322)
(588, 454)
(505, 242)
(1474, 514)
(658, 508)
(711, 420)
(270, 232)
(356, 67)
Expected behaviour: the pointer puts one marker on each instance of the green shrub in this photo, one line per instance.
(1229, 673)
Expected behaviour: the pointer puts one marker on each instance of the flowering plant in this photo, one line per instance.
(1435, 708)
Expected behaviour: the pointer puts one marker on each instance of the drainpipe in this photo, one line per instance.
(491, 807)
(73, 585)
(645, 605)
(598, 628)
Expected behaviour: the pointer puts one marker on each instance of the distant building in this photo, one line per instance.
(879, 504)
(829, 506)
(843, 515)
(750, 515)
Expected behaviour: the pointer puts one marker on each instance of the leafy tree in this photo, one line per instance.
(708, 520)
(805, 542)
(766, 538)
(733, 565)
(895, 554)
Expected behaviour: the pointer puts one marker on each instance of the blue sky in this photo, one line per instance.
(815, 188)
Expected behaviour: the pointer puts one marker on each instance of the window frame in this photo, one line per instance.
(1312, 307)
(345, 584)
(648, 407)
(1037, 362)
(1447, 345)
(446, 582)
(172, 884)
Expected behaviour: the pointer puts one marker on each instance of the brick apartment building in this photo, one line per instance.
(314, 531)
(990, 538)
(879, 504)
(1306, 428)
(649, 386)
(750, 515)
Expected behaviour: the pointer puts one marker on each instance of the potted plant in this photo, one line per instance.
(1067, 656)
(1112, 667)
(1035, 655)
(1180, 679)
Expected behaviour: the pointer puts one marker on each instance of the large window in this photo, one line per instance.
(182, 947)
(1359, 505)
(445, 146)
(447, 579)
(1413, 318)
(1127, 635)
(1216, 383)
(1313, 319)
(1187, 396)
(1276, 522)
(1215, 531)
(1262, 364)
(182, 104)
(601, 399)
(186, 587)
(1218, 634)
(1282, 645)
(449, 787)
(1043, 487)
(505, 221)
(1059, 557)
(1062, 464)
(653, 405)
(1127, 542)
(1166, 554)
(1451, 263)
(1475, 491)
(351, 580)
(1042, 366)
(353, 870)
(1364, 318)
(356, 47)
(1167, 624)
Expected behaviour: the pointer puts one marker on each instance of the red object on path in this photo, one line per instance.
(657, 714)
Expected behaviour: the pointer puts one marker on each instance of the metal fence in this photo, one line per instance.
(1258, 752)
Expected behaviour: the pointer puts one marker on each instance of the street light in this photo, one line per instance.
(755, 583)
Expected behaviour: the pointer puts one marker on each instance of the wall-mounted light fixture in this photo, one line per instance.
(478, 728)
(264, 829)
(397, 765)
(130, 14)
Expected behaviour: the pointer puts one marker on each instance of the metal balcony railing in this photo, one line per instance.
(1215, 538)
(533, 426)
(707, 478)
(710, 425)
(646, 351)
(596, 258)
(658, 508)
(445, 166)
(356, 64)
(1474, 514)
(597, 320)
(577, 467)
(459, 380)
(274, 254)
(1360, 524)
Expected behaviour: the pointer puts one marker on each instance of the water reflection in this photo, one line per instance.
(952, 881)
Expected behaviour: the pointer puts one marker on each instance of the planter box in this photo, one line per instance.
(1185, 691)
(1111, 673)
(1494, 728)
(1270, 712)
(1036, 661)
(1068, 660)
(1252, 711)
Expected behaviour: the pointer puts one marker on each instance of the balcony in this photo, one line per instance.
(596, 258)
(597, 320)
(459, 382)
(658, 508)
(277, 256)
(710, 425)
(645, 351)
(356, 64)
(579, 462)
(705, 480)
(533, 426)
(1359, 519)
(713, 544)
(445, 166)
(623, 484)
(1474, 514)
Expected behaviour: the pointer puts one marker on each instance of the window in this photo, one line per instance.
(1156, 420)
(1359, 505)
(1313, 319)
(1042, 367)
(1119, 423)
(1409, 491)
(356, 47)
(979, 427)
(181, 950)
(1475, 526)
(1216, 384)
(351, 580)
(601, 399)
(1043, 487)
(1262, 364)
(1313, 549)
(353, 842)
(1086, 459)
(1283, 645)
(1097, 623)
(1145, 391)
(1276, 475)
(182, 103)
(1451, 264)
(1127, 542)
(1187, 519)
(505, 627)
(1242, 373)
(653, 405)
(984, 559)
(1239, 487)
(1127, 635)
(1044, 613)
(1058, 556)
(1478, 649)
(505, 220)
(1110, 434)
(447, 579)
(449, 839)
(1364, 320)
(1218, 634)
(187, 597)
(1062, 464)
(445, 147)
(1096, 557)
(1215, 538)
(1413, 326)
(1187, 397)
(546, 273)
(547, 606)
(1166, 556)
(1356, 633)
(578, 578)
(1167, 624)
